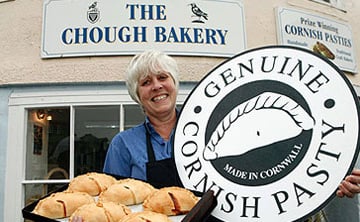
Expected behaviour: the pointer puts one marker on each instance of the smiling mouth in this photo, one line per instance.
(159, 98)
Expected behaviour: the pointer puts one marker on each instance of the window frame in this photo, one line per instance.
(22, 99)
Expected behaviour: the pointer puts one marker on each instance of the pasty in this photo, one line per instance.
(127, 191)
(260, 121)
(92, 183)
(145, 216)
(170, 201)
(101, 212)
(321, 49)
(62, 204)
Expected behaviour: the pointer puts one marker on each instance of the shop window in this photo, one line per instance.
(46, 149)
(48, 143)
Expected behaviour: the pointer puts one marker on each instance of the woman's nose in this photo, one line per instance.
(156, 85)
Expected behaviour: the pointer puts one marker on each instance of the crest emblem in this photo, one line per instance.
(93, 13)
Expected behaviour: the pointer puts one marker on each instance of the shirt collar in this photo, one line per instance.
(150, 128)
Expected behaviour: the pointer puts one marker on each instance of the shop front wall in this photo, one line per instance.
(21, 41)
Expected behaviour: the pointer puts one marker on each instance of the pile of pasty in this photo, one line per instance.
(97, 197)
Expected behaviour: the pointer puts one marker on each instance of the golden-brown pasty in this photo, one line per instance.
(101, 212)
(92, 183)
(127, 191)
(62, 204)
(145, 216)
(170, 201)
(323, 50)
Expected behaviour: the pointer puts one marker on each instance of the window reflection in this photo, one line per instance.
(47, 143)
(58, 143)
(95, 126)
(133, 116)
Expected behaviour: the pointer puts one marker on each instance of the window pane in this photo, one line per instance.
(34, 192)
(95, 126)
(133, 116)
(47, 144)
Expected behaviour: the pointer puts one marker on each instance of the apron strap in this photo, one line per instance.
(149, 147)
(161, 173)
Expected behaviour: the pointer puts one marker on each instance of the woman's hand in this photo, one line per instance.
(349, 187)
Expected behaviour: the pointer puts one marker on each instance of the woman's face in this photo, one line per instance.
(157, 94)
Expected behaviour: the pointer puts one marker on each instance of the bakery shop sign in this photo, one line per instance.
(331, 38)
(272, 131)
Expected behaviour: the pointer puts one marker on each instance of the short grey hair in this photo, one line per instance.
(146, 63)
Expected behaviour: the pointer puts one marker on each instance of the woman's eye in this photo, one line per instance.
(163, 77)
(145, 82)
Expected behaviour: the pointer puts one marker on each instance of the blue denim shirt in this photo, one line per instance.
(127, 154)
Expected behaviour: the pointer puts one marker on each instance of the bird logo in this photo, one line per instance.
(93, 13)
(198, 13)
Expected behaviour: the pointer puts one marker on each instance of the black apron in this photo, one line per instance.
(163, 173)
(160, 173)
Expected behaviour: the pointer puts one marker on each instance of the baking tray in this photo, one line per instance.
(27, 211)
(200, 212)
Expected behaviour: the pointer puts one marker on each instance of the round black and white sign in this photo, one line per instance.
(273, 131)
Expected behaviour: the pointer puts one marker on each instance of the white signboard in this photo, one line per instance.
(329, 37)
(119, 27)
(272, 131)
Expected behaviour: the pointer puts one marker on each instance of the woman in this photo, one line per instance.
(145, 151)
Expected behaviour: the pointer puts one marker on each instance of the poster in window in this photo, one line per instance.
(38, 140)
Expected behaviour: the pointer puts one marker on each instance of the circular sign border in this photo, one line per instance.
(355, 99)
